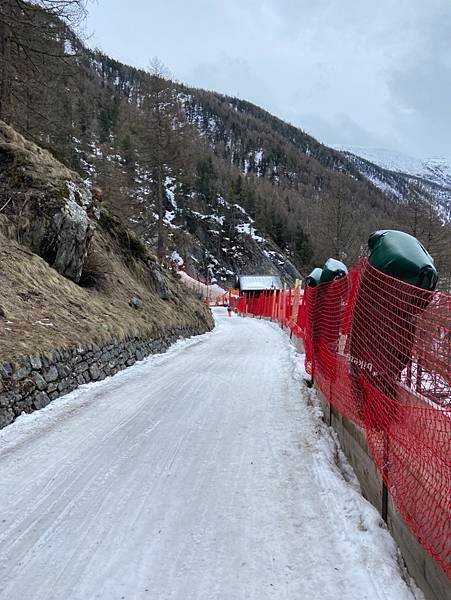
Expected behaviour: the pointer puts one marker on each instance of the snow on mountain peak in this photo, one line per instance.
(436, 170)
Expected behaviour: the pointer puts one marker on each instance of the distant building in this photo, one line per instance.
(255, 284)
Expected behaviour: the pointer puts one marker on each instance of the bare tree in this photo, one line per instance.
(71, 11)
(162, 132)
(25, 36)
(337, 225)
(420, 216)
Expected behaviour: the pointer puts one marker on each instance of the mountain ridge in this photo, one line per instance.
(232, 189)
(434, 174)
(393, 160)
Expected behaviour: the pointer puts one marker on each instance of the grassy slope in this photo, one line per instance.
(41, 310)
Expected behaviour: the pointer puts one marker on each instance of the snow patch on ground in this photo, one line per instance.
(249, 230)
(382, 185)
(169, 186)
(175, 256)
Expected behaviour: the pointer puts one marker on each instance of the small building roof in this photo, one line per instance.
(255, 283)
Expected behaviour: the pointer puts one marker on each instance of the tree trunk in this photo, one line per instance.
(5, 68)
(161, 212)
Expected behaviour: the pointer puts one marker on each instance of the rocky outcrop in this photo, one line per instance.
(52, 208)
(159, 281)
(71, 271)
(62, 231)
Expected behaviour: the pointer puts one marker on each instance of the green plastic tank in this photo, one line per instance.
(314, 278)
(333, 269)
(403, 257)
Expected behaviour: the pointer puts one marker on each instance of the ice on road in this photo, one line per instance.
(200, 474)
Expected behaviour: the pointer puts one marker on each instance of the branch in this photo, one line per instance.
(39, 114)
(6, 204)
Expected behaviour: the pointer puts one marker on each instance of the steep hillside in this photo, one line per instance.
(212, 181)
(71, 273)
(436, 170)
(398, 175)
(258, 142)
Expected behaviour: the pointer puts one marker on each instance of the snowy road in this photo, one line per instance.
(201, 474)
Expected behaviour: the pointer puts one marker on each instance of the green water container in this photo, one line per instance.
(314, 278)
(403, 257)
(333, 269)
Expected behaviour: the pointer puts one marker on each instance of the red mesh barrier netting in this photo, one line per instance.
(379, 351)
(400, 365)
(296, 318)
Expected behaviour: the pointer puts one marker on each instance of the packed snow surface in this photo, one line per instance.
(205, 473)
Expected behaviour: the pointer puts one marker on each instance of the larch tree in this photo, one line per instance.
(27, 40)
(162, 139)
(420, 216)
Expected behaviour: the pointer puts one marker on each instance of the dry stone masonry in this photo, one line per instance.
(32, 382)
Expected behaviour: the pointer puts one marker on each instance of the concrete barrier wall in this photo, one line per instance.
(429, 577)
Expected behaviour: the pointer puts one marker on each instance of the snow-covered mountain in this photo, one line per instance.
(437, 170)
(395, 173)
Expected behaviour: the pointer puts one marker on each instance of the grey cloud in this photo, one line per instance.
(421, 91)
(234, 76)
(350, 71)
(341, 130)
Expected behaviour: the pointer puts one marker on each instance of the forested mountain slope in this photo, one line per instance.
(212, 181)
(398, 175)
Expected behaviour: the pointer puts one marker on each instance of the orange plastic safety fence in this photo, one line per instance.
(379, 351)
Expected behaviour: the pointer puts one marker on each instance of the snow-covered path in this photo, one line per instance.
(200, 474)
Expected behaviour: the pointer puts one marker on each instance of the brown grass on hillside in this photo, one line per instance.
(35, 165)
(41, 310)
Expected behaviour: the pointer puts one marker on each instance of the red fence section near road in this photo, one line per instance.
(379, 351)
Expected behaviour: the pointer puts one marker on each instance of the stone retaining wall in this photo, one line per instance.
(31, 382)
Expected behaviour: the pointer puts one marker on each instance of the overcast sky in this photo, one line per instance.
(374, 73)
